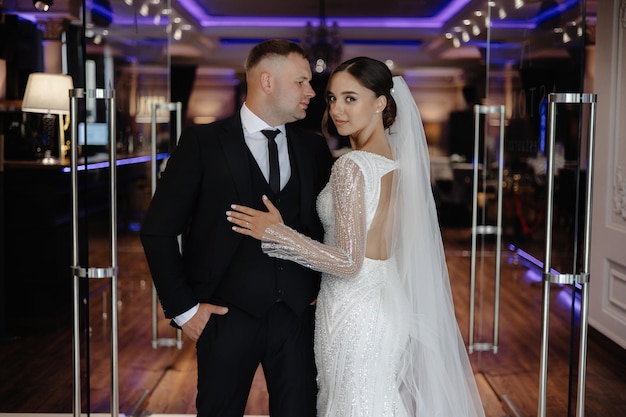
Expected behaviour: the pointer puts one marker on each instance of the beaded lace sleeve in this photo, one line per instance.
(344, 250)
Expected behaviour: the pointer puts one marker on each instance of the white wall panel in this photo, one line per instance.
(607, 308)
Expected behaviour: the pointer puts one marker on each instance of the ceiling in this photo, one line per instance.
(412, 33)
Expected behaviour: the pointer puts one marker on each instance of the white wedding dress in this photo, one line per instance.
(358, 336)
(387, 343)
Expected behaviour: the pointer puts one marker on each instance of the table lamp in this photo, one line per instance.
(49, 94)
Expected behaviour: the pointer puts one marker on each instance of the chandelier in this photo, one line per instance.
(323, 45)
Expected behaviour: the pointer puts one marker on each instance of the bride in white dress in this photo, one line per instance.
(386, 339)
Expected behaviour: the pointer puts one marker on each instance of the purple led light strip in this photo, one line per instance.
(347, 22)
(119, 162)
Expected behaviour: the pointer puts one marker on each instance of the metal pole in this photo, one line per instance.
(76, 404)
(175, 107)
(496, 301)
(474, 227)
(153, 183)
(485, 229)
(109, 95)
(90, 273)
(573, 278)
(584, 311)
(545, 312)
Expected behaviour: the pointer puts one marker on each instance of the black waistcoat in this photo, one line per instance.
(255, 281)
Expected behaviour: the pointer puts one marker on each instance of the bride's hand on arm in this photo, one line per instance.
(251, 222)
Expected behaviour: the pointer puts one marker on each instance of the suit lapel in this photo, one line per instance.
(236, 153)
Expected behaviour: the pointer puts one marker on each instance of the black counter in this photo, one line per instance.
(37, 203)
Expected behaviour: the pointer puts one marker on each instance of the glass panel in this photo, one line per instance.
(132, 59)
(550, 57)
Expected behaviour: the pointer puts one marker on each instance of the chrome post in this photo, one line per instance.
(74, 96)
(177, 108)
(545, 310)
(109, 96)
(580, 277)
(153, 182)
(496, 297)
(474, 226)
(485, 229)
(79, 272)
(584, 307)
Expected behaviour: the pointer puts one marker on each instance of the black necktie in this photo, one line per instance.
(273, 154)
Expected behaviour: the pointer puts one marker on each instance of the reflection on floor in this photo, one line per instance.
(36, 366)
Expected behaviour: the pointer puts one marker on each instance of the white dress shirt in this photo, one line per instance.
(257, 143)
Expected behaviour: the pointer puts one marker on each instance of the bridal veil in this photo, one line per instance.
(436, 378)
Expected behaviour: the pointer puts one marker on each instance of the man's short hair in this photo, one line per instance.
(276, 47)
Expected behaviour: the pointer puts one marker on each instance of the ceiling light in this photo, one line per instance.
(320, 66)
(323, 45)
(144, 9)
(42, 5)
(566, 38)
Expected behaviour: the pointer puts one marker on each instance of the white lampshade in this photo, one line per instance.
(47, 93)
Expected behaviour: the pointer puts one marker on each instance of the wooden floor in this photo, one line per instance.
(36, 360)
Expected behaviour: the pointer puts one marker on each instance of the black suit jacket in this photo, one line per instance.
(206, 173)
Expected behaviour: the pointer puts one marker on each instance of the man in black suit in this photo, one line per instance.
(240, 306)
